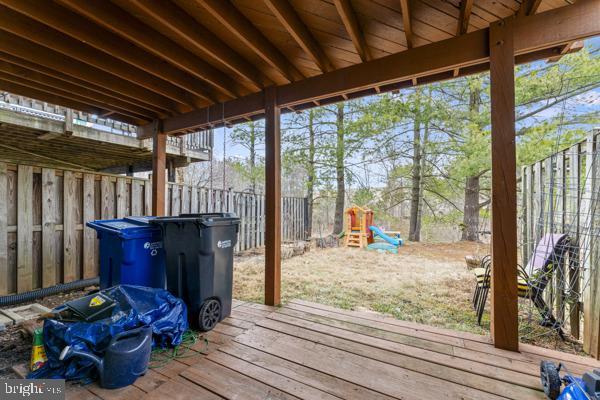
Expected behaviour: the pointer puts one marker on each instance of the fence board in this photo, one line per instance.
(90, 269)
(4, 271)
(69, 228)
(121, 193)
(148, 197)
(591, 273)
(137, 200)
(24, 230)
(107, 198)
(50, 267)
(559, 220)
(43, 214)
(565, 189)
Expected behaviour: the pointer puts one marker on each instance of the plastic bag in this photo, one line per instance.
(136, 306)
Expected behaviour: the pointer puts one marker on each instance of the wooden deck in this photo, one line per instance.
(312, 351)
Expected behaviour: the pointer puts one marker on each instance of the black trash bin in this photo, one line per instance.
(199, 263)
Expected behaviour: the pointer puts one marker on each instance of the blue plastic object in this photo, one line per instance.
(125, 359)
(585, 388)
(393, 241)
(135, 307)
(574, 389)
(131, 252)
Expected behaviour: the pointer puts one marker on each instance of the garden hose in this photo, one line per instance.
(162, 356)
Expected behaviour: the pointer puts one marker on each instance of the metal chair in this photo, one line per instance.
(548, 254)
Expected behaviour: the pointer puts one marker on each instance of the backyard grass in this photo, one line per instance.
(426, 283)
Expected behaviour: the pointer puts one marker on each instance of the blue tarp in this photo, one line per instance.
(136, 306)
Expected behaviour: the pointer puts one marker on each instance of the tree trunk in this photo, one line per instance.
(471, 210)
(310, 187)
(472, 188)
(338, 222)
(414, 233)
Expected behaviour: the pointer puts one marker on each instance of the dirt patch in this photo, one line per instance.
(15, 346)
(425, 282)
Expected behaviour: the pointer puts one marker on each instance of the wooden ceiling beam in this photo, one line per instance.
(292, 23)
(198, 38)
(48, 97)
(71, 23)
(535, 37)
(115, 19)
(463, 17)
(346, 13)
(101, 100)
(231, 18)
(68, 95)
(406, 22)
(34, 31)
(567, 49)
(528, 7)
(50, 75)
(37, 54)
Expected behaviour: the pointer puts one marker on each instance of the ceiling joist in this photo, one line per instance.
(346, 13)
(70, 23)
(30, 51)
(406, 22)
(528, 7)
(226, 13)
(98, 99)
(24, 27)
(535, 37)
(118, 21)
(198, 38)
(463, 17)
(48, 97)
(67, 94)
(48, 75)
(288, 17)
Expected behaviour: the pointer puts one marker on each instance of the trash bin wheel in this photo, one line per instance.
(551, 381)
(210, 314)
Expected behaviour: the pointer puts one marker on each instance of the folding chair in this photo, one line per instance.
(548, 254)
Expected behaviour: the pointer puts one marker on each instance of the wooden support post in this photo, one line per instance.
(273, 199)
(504, 318)
(159, 160)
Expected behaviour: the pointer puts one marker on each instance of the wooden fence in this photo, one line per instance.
(560, 194)
(43, 238)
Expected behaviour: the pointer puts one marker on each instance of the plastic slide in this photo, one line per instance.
(387, 238)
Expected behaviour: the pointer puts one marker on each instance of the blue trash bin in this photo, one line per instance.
(131, 252)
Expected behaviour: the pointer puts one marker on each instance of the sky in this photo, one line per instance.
(585, 102)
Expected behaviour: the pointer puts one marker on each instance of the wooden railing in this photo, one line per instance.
(43, 237)
(560, 194)
(197, 141)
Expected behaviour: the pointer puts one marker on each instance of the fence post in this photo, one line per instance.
(574, 206)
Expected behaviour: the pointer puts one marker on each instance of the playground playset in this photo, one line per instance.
(362, 233)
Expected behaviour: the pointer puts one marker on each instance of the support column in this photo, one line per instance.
(272, 199)
(159, 160)
(504, 318)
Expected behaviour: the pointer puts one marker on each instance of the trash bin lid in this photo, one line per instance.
(207, 219)
(126, 228)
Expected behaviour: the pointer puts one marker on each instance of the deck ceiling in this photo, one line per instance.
(137, 60)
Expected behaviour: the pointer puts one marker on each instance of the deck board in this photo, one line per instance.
(311, 351)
